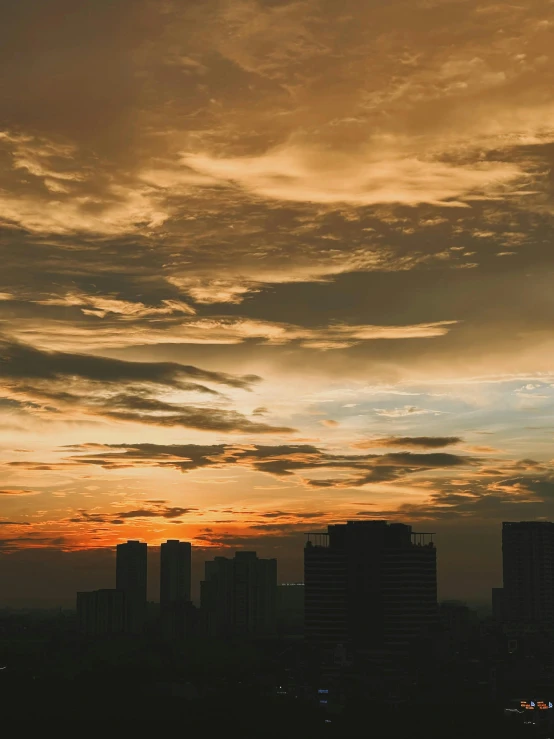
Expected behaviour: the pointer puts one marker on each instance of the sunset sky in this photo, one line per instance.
(269, 265)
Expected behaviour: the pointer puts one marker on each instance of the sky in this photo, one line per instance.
(270, 265)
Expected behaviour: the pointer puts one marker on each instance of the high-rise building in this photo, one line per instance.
(131, 574)
(369, 585)
(175, 564)
(176, 610)
(528, 573)
(101, 612)
(325, 593)
(238, 596)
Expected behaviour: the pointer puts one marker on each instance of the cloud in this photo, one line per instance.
(376, 175)
(392, 467)
(18, 492)
(280, 461)
(203, 419)
(330, 423)
(313, 192)
(513, 490)
(541, 486)
(82, 196)
(14, 523)
(48, 384)
(159, 510)
(407, 410)
(22, 361)
(167, 513)
(279, 528)
(479, 449)
(426, 442)
(101, 306)
(260, 411)
(293, 514)
(120, 323)
(479, 504)
(269, 169)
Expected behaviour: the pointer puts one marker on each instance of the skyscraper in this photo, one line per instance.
(238, 596)
(369, 585)
(325, 593)
(528, 573)
(176, 609)
(131, 569)
(175, 562)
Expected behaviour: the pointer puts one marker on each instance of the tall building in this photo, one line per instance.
(175, 564)
(238, 596)
(370, 586)
(131, 569)
(176, 609)
(325, 593)
(101, 612)
(528, 573)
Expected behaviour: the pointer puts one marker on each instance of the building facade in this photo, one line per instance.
(238, 596)
(101, 612)
(369, 585)
(325, 593)
(131, 579)
(528, 574)
(175, 569)
(176, 609)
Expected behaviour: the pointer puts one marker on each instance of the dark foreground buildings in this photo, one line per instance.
(119, 610)
(377, 652)
(175, 569)
(238, 596)
(370, 587)
(101, 612)
(527, 597)
(131, 578)
(177, 614)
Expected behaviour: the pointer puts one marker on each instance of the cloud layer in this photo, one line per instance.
(58, 385)
(300, 251)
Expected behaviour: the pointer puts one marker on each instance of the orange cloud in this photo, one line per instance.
(18, 492)
(299, 173)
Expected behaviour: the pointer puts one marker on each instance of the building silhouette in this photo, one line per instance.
(238, 596)
(370, 586)
(528, 574)
(176, 610)
(325, 592)
(131, 579)
(175, 568)
(290, 608)
(101, 612)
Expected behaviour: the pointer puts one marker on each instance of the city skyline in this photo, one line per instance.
(174, 572)
(269, 266)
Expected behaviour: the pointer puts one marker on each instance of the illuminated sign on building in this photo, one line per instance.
(536, 705)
